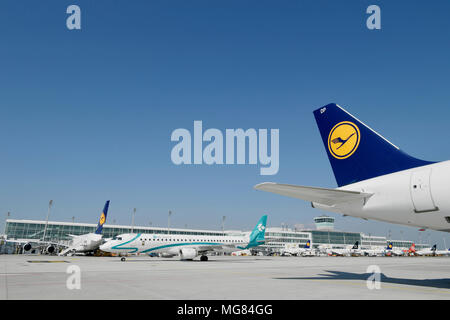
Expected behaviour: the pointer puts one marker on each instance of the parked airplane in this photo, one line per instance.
(411, 251)
(373, 252)
(35, 245)
(355, 250)
(391, 251)
(295, 249)
(187, 247)
(426, 251)
(443, 252)
(376, 180)
(382, 251)
(87, 243)
(307, 251)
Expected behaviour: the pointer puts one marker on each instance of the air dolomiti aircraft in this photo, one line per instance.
(187, 247)
(376, 180)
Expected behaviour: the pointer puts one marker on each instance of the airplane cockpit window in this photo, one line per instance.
(117, 238)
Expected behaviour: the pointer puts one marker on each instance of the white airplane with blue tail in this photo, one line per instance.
(376, 180)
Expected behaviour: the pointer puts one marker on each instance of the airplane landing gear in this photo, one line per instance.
(203, 258)
(122, 259)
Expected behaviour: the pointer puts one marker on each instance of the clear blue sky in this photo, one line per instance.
(87, 115)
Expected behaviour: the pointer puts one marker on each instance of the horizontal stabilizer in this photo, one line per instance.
(324, 196)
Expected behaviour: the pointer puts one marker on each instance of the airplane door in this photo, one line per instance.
(421, 191)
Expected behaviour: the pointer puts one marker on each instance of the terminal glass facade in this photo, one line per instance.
(59, 231)
(335, 238)
(277, 238)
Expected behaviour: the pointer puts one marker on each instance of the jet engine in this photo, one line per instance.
(50, 249)
(27, 247)
(188, 253)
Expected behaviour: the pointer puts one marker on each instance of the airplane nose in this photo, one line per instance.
(104, 247)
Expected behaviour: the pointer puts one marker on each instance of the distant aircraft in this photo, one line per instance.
(376, 180)
(391, 251)
(411, 251)
(443, 252)
(295, 249)
(427, 251)
(87, 243)
(355, 250)
(187, 247)
(382, 251)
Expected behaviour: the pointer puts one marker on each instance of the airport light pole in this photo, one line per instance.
(46, 221)
(7, 216)
(168, 222)
(223, 224)
(132, 220)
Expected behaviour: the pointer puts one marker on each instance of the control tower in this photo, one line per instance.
(325, 223)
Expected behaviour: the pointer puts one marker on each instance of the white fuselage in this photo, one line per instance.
(173, 244)
(416, 197)
(83, 243)
(343, 252)
(373, 252)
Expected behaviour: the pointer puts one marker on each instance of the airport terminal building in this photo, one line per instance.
(276, 238)
(60, 231)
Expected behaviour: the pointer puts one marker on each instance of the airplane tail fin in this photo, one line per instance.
(390, 246)
(356, 245)
(102, 218)
(357, 152)
(257, 236)
(308, 244)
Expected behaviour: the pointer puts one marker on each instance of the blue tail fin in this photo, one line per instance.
(389, 246)
(355, 151)
(307, 244)
(257, 235)
(102, 218)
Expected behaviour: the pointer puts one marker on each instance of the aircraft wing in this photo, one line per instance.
(212, 248)
(34, 241)
(329, 197)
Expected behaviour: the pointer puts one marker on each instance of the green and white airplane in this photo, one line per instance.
(187, 247)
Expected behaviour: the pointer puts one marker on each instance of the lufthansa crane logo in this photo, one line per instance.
(343, 139)
(102, 219)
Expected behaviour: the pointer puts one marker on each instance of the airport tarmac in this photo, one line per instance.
(229, 278)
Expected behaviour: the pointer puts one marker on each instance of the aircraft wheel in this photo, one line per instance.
(203, 258)
(122, 259)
